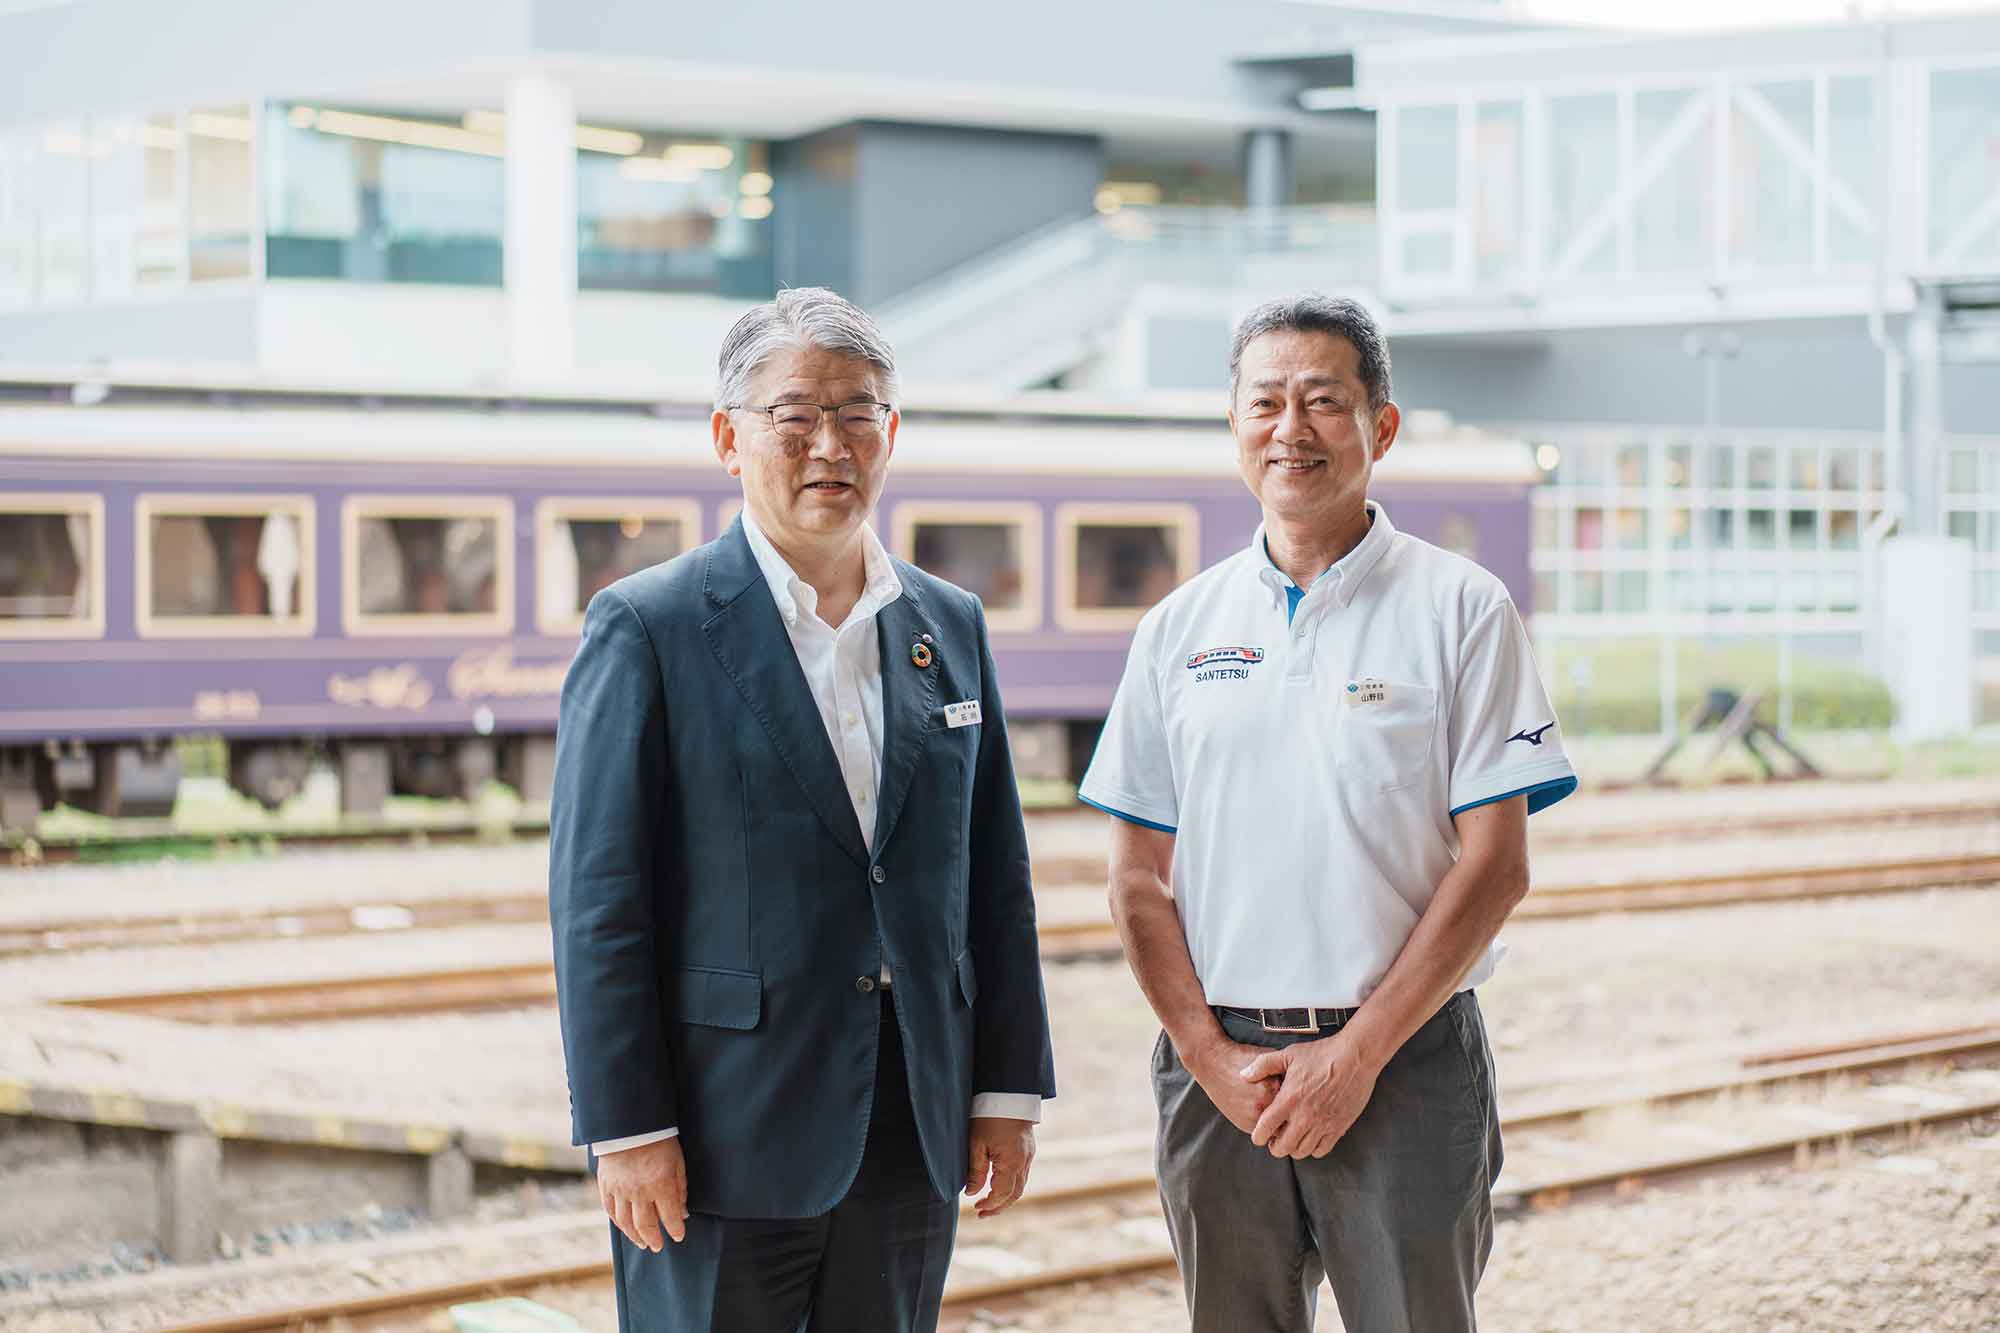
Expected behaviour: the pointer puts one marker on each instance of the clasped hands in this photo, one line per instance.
(1296, 1100)
(644, 1189)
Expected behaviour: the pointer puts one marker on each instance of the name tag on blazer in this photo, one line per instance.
(961, 714)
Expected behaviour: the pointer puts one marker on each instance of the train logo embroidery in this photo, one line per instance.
(1224, 663)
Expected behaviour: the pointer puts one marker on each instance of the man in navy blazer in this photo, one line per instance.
(794, 935)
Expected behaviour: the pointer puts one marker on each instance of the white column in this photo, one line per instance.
(541, 229)
(1927, 638)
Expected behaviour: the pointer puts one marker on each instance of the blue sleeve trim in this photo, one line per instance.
(1130, 819)
(1540, 796)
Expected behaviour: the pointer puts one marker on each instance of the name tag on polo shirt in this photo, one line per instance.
(1369, 691)
(961, 714)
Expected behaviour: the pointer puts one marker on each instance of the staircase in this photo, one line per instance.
(1055, 298)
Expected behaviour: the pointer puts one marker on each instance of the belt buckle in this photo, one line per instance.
(1311, 1028)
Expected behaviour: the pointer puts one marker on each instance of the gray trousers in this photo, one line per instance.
(1399, 1215)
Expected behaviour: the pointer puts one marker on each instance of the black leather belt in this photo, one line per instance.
(1307, 1020)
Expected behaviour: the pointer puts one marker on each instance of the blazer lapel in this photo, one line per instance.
(748, 638)
(909, 695)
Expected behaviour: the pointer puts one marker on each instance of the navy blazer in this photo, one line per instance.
(718, 920)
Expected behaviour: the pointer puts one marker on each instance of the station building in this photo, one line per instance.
(1741, 290)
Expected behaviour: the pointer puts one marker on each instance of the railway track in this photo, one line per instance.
(1110, 1228)
(137, 839)
(399, 994)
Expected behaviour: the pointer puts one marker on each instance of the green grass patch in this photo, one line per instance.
(1611, 687)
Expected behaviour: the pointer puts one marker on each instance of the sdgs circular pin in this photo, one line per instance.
(921, 655)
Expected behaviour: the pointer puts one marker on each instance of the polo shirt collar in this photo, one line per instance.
(796, 598)
(1348, 573)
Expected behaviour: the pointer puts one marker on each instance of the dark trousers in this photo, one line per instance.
(875, 1264)
(1399, 1215)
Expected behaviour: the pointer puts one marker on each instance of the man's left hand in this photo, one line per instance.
(1008, 1147)
(1326, 1085)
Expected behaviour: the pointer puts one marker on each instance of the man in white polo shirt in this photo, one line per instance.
(1321, 761)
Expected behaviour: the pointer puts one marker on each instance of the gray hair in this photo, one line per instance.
(799, 317)
(1314, 313)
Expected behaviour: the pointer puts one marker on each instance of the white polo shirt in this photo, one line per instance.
(1309, 750)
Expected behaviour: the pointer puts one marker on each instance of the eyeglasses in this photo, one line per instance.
(859, 420)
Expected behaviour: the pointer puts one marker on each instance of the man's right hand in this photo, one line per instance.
(643, 1188)
(1218, 1067)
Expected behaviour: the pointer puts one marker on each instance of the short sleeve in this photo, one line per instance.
(1504, 737)
(1132, 775)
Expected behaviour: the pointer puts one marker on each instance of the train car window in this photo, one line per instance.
(51, 566)
(225, 565)
(1116, 561)
(991, 549)
(587, 545)
(440, 566)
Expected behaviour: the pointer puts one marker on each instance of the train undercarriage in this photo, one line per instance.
(142, 778)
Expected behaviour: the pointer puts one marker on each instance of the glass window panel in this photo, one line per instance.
(1427, 253)
(1680, 529)
(1964, 157)
(1500, 198)
(1632, 525)
(1545, 593)
(1843, 529)
(1586, 463)
(1683, 591)
(1850, 134)
(590, 554)
(682, 213)
(1589, 530)
(1680, 465)
(1802, 590)
(1961, 474)
(1125, 565)
(1761, 527)
(1989, 532)
(1632, 465)
(1802, 529)
(1670, 218)
(985, 559)
(1582, 173)
(1628, 590)
(221, 206)
(1760, 590)
(1587, 591)
(1761, 471)
(1843, 469)
(1964, 524)
(428, 566)
(1843, 590)
(1547, 534)
(1875, 466)
(1723, 588)
(60, 191)
(226, 565)
(1721, 528)
(1805, 469)
(1986, 590)
(377, 198)
(45, 566)
(1427, 157)
(1772, 202)
(1722, 466)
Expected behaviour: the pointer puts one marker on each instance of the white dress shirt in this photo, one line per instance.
(843, 669)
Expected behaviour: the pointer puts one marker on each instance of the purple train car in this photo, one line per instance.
(397, 586)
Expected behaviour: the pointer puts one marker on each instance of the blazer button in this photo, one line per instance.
(864, 984)
(878, 874)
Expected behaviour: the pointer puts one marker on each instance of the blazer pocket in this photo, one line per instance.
(968, 982)
(718, 997)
